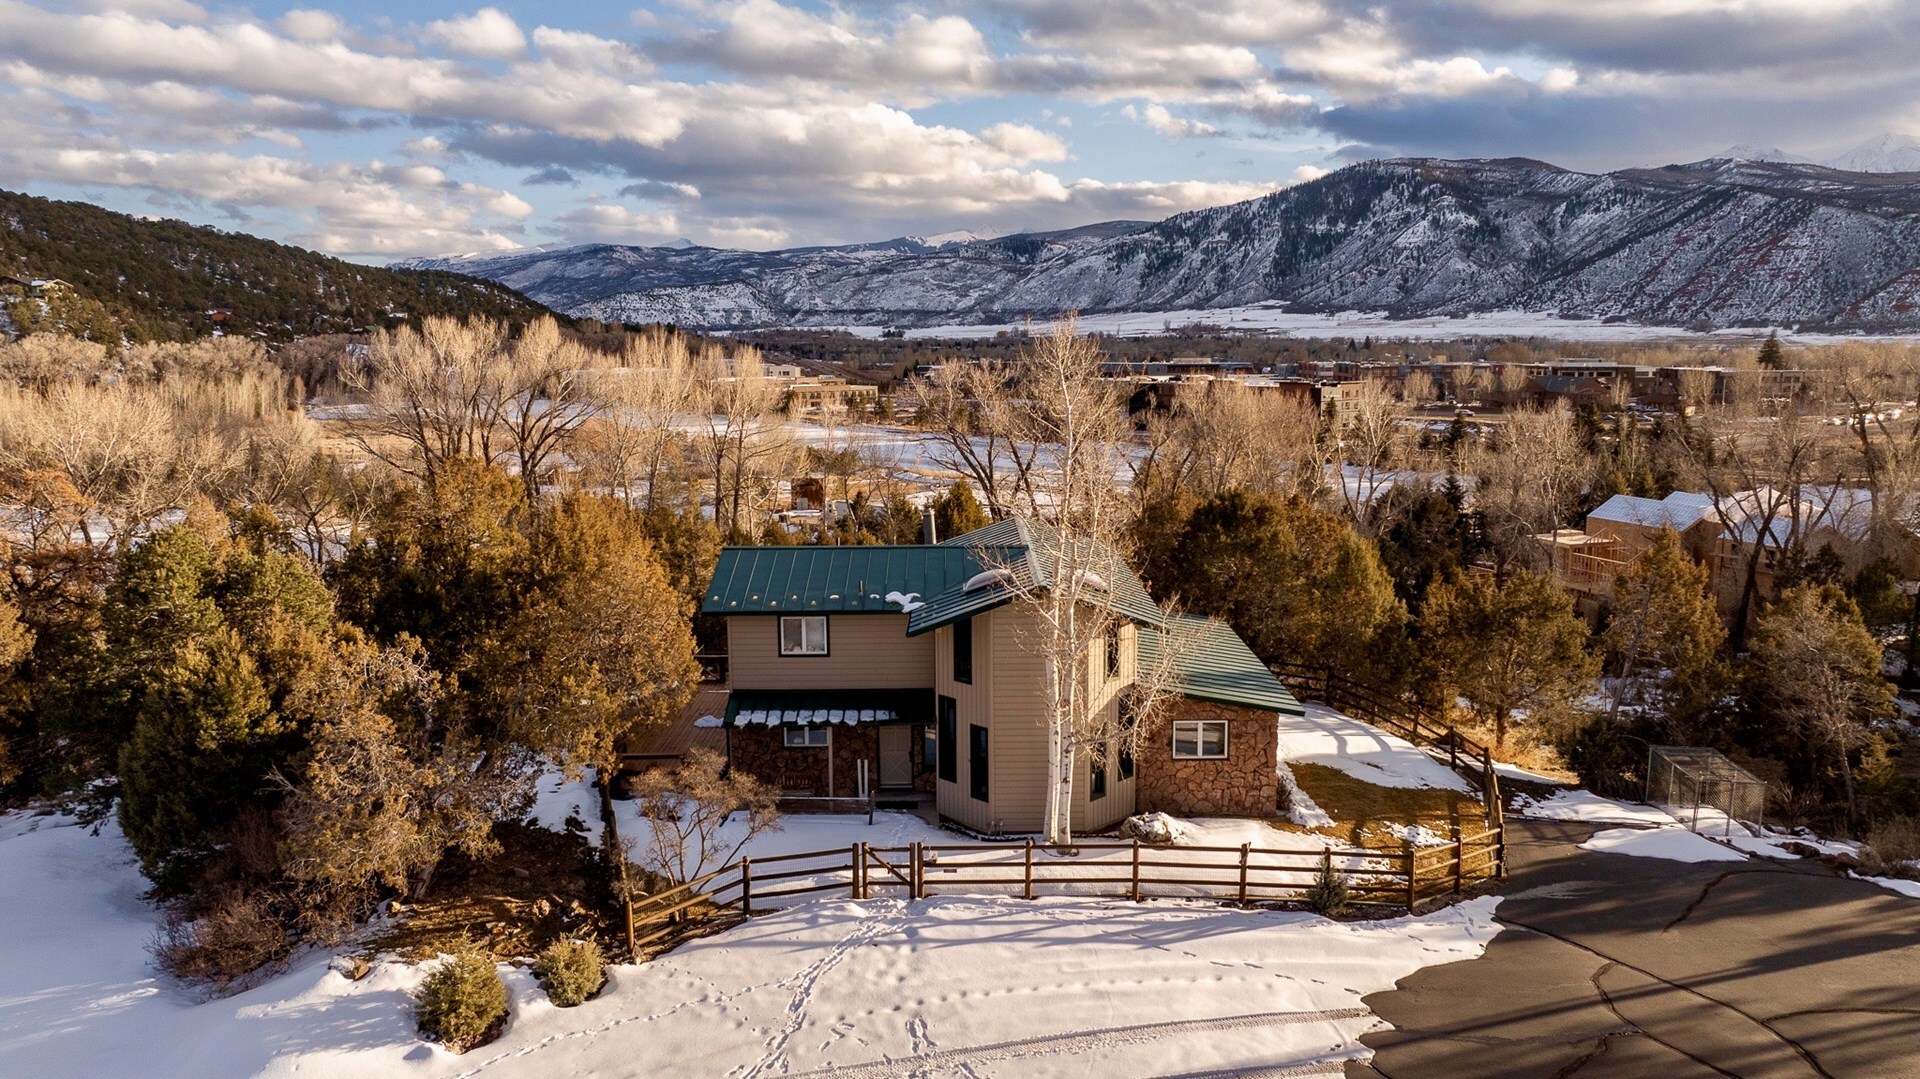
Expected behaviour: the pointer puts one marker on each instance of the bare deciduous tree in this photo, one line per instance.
(700, 816)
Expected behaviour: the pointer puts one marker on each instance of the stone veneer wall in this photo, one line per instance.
(762, 752)
(1245, 784)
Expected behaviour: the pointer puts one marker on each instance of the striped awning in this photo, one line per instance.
(815, 707)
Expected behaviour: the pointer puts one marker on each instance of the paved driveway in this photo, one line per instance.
(1611, 965)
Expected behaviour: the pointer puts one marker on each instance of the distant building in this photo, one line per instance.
(828, 393)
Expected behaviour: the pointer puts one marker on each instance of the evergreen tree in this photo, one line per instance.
(1297, 582)
(1814, 689)
(205, 643)
(1664, 629)
(1772, 357)
(957, 511)
(1507, 649)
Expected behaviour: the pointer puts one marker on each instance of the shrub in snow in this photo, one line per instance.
(571, 971)
(1328, 894)
(463, 1002)
(224, 948)
(688, 807)
(1892, 844)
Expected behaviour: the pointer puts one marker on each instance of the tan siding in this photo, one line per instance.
(973, 703)
(868, 651)
(1019, 725)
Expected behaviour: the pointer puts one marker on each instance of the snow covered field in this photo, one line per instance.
(970, 985)
(1274, 319)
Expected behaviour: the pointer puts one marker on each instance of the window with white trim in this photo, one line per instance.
(1199, 739)
(808, 737)
(803, 635)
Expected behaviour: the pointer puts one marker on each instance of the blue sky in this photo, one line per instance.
(380, 131)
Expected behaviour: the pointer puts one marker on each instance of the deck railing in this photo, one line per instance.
(1394, 879)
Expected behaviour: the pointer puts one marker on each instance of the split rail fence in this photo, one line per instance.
(1395, 879)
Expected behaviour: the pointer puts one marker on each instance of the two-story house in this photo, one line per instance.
(918, 660)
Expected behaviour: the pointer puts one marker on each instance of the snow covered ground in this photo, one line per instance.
(1674, 844)
(1365, 752)
(968, 985)
(1589, 808)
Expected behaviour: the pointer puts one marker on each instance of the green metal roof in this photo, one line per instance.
(1215, 665)
(778, 580)
(778, 707)
(1029, 552)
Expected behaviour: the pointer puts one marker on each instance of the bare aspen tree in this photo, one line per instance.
(1529, 478)
(1374, 441)
(547, 389)
(433, 394)
(1756, 465)
(1069, 579)
(744, 427)
(973, 419)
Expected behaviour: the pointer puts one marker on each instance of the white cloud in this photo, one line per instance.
(487, 34)
(311, 24)
(1157, 117)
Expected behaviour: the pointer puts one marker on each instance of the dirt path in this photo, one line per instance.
(1617, 966)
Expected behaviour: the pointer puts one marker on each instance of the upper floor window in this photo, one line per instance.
(963, 651)
(803, 635)
(1113, 650)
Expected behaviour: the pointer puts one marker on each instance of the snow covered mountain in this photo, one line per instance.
(1715, 243)
(1882, 153)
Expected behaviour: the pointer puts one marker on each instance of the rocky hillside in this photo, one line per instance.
(168, 280)
(1716, 243)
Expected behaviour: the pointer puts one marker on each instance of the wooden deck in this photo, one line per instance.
(681, 735)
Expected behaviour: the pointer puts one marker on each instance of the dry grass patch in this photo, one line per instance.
(1535, 757)
(1363, 812)
(540, 888)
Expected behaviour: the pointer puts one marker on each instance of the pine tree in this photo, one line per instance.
(1507, 649)
(1664, 626)
(957, 511)
(1772, 356)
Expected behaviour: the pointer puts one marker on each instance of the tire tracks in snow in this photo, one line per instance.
(1093, 1040)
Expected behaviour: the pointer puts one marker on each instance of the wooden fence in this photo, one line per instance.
(1401, 879)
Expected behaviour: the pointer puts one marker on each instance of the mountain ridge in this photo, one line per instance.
(147, 279)
(1720, 242)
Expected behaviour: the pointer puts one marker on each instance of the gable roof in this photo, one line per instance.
(1028, 552)
(778, 580)
(1679, 511)
(1215, 665)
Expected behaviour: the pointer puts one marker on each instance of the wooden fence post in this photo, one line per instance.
(1028, 891)
(1459, 858)
(633, 950)
(1453, 749)
(1413, 879)
(1245, 849)
(1330, 701)
(1500, 849)
(856, 861)
(1136, 870)
(746, 885)
(916, 873)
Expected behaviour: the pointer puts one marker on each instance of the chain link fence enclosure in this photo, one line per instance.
(1703, 789)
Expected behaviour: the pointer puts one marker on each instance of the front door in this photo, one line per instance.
(896, 756)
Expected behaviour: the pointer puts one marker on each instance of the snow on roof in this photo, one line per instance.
(1679, 511)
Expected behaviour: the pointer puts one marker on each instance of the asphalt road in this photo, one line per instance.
(1616, 966)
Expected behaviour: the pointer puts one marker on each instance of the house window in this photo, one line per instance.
(1126, 765)
(963, 651)
(1113, 650)
(803, 635)
(807, 737)
(977, 762)
(1199, 739)
(949, 738)
(1097, 784)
